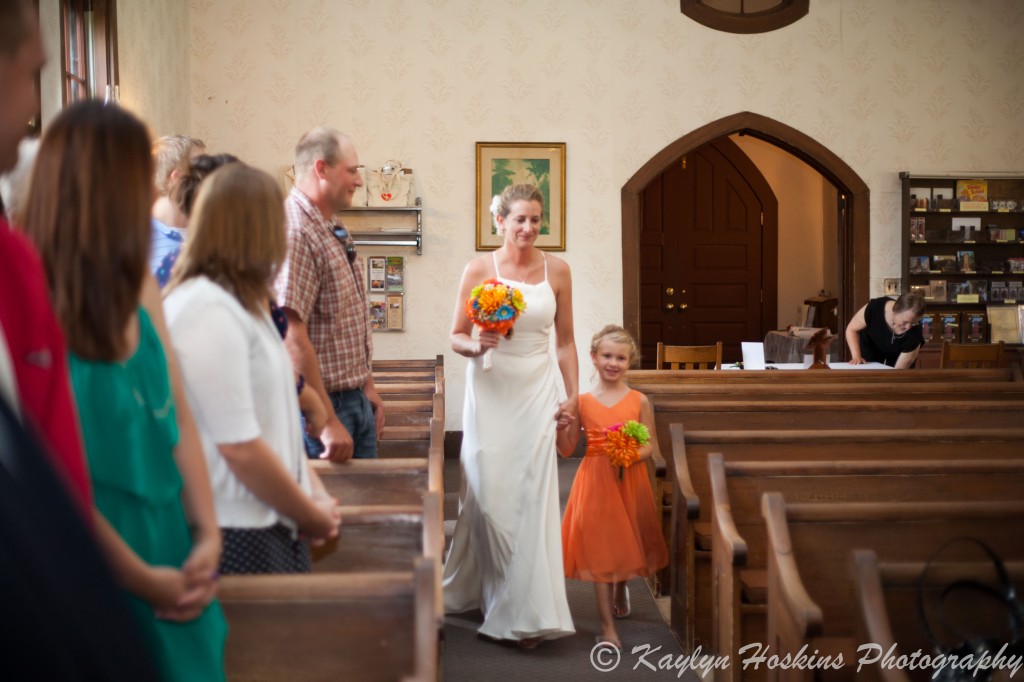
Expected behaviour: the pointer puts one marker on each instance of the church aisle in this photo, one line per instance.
(469, 658)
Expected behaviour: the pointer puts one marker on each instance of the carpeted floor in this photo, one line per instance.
(645, 636)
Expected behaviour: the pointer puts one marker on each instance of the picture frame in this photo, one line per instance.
(500, 164)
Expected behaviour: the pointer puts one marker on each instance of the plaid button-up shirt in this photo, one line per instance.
(327, 292)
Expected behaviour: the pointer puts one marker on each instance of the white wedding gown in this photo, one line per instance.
(506, 554)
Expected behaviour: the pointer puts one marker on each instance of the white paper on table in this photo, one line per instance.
(753, 354)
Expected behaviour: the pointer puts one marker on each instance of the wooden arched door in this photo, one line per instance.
(708, 252)
(854, 238)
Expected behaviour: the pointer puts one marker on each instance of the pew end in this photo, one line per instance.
(800, 619)
(357, 625)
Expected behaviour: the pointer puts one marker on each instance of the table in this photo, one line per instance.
(800, 365)
(784, 347)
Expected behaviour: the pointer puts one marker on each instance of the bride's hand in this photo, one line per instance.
(487, 340)
(566, 413)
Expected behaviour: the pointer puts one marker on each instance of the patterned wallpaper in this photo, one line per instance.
(154, 63)
(888, 85)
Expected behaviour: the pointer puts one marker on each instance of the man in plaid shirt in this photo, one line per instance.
(320, 287)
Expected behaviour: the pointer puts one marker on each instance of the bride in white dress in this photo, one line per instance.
(506, 554)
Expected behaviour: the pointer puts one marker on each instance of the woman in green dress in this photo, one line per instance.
(88, 214)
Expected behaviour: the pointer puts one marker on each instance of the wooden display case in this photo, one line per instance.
(963, 242)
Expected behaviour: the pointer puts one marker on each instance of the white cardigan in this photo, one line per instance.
(240, 385)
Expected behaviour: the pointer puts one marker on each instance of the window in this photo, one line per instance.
(88, 49)
(744, 16)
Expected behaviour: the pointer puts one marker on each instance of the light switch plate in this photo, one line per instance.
(892, 286)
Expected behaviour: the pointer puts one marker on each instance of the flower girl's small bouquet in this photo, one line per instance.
(623, 443)
(494, 306)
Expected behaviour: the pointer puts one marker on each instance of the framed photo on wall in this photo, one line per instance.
(500, 164)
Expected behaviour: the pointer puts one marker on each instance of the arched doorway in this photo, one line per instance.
(854, 226)
(708, 253)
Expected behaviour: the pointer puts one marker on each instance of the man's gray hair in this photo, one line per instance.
(319, 143)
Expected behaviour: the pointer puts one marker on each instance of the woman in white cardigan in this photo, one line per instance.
(239, 377)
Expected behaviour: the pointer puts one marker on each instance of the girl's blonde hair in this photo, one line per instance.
(616, 334)
(236, 235)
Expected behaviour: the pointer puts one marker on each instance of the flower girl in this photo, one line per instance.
(611, 532)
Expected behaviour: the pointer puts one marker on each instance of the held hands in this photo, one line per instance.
(338, 445)
(182, 595)
(323, 524)
(199, 575)
(566, 414)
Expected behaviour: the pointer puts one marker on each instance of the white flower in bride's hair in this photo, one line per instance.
(495, 207)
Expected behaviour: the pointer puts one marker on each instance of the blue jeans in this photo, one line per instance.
(355, 412)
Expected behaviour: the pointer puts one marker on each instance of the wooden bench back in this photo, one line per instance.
(835, 414)
(810, 544)
(690, 588)
(361, 626)
(638, 378)
(739, 538)
(901, 391)
(887, 603)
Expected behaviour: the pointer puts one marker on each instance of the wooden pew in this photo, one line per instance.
(756, 415)
(382, 537)
(397, 480)
(372, 609)
(408, 422)
(836, 414)
(638, 378)
(887, 604)
(319, 628)
(413, 392)
(690, 510)
(739, 540)
(810, 598)
(768, 391)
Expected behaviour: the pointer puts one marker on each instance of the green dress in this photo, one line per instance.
(129, 427)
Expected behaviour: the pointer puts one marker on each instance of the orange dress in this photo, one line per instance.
(611, 531)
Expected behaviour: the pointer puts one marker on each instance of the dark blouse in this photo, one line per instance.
(878, 343)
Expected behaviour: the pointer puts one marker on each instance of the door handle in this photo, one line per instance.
(669, 291)
(670, 306)
(683, 306)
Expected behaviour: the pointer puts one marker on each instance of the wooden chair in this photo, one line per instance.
(971, 355)
(689, 357)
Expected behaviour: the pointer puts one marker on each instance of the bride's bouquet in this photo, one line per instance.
(494, 306)
(623, 443)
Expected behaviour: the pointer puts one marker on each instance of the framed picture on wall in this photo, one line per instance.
(500, 164)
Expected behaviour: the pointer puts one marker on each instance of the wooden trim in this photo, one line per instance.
(101, 50)
(787, 13)
(854, 231)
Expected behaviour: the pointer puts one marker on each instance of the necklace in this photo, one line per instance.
(522, 277)
(895, 337)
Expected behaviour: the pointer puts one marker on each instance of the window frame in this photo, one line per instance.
(91, 41)
(784, 14)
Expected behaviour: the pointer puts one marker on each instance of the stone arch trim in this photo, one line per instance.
(854, 246)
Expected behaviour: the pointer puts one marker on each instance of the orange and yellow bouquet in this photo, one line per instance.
(494, 306)
(623, 443)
